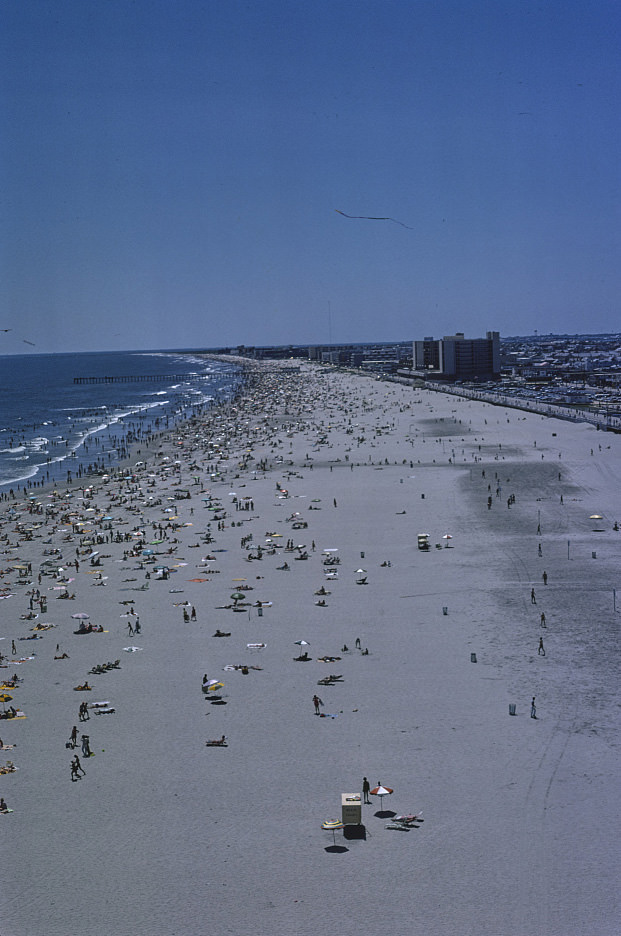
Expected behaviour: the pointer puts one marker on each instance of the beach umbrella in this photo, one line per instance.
(381, 791)
(81, 616)
(5, 697)
(331, 825)
(213, 685)
(238, 596)
(302, 643)
(592, 517)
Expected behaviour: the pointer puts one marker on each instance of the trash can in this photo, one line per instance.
(444, 610)
(511, 708)
(473, 657)
(422, 497)
(260, 612)
(362, 555)
(593, 555)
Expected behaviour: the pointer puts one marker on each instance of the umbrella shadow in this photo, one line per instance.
(336, 849)
(385, 813)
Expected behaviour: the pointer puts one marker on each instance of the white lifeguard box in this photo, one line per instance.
(351, 809)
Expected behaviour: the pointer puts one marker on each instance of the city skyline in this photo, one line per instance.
(205, 175)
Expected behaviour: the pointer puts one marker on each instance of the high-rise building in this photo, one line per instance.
(456, 357)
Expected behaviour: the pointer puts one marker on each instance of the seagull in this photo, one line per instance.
(367, 218)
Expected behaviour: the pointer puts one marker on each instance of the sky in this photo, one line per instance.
(171, 172)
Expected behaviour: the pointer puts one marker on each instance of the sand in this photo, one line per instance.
(164, 835)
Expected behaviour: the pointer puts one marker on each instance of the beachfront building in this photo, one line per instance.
(456, 357)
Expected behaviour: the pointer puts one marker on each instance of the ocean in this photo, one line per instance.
(51, 426)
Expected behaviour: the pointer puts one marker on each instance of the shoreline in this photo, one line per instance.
(24, 486)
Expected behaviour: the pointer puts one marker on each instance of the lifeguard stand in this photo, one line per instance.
(351, 809)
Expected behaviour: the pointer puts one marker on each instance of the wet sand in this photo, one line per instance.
(167, 836)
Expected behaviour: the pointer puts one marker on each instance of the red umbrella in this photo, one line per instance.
(381, 791)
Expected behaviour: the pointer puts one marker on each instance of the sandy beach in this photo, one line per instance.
(320, 482)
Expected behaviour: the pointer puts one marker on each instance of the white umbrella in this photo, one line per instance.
(381, 791)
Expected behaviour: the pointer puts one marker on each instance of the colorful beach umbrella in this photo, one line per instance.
(381, 791)
(331, 825)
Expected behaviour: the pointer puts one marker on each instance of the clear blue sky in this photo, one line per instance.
(170, 170)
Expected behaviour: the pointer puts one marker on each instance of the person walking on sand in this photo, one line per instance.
(78, 765)
(317, 702)
(193, 614)
(13, 648)
(74, 736)
(130, 629)
(545, 578)
(366, 789)
(533, 710)
(540, 649)
(533, 600)
(543, 619)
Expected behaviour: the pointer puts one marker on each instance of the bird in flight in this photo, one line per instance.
(367, 218)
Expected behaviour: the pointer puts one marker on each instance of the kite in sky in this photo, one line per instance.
(23, 339)
(367, 218)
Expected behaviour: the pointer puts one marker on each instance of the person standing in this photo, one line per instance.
(74, 736)
(317, 702)
(543, 619)
(533, 599)
(366, 788)
(540, 649)
(545, 578)
(533, 709)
